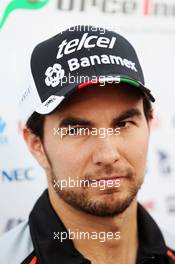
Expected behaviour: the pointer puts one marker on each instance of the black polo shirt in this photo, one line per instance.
(45, 224)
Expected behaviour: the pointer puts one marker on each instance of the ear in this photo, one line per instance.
(36, 148)
(150, 118)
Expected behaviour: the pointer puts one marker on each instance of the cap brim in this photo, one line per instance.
(55, 100)
(121, 79)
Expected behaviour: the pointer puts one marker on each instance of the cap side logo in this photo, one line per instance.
(54, 75)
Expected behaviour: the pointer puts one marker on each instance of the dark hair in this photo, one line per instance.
(36, 121)
(36, 124)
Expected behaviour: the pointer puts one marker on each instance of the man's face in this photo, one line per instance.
(92, 157)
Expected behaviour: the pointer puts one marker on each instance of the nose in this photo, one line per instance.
(106, 151)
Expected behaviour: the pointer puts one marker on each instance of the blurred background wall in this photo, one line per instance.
(150, 26)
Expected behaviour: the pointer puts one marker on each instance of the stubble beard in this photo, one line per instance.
(80, 200)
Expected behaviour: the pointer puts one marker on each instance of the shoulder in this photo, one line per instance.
(170, 242)
(169, 239)
(16, 244)
(171, 256)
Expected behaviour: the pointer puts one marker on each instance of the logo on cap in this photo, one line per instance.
(54, 75)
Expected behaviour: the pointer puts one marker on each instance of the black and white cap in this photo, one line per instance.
(74, 59)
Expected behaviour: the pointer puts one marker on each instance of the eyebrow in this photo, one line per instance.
(131, 113)
(73, 121)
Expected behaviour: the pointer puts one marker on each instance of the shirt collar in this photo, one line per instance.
(151, 241)
(44, 224)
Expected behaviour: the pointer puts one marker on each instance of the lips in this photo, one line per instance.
(109, 180)
(113, 178)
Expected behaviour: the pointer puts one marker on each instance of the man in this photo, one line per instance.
(88, 118)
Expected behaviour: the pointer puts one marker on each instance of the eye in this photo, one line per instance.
(73, 130)
(124, 124)
(77, 131)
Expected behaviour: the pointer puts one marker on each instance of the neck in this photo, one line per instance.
(114, 238)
